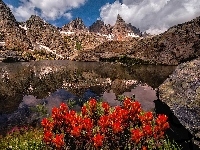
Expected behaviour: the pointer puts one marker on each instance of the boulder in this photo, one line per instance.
(181, 92)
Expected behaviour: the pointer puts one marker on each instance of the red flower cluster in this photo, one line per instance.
(161, 126)
(58, 141)
(98, 140)
(100, 123)
(136, 135)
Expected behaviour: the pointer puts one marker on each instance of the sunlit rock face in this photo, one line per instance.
(46, 37)
(181, 92)
(75, 25)
(15, 38)
(120, 31)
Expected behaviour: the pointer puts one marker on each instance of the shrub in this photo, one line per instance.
(99, 126)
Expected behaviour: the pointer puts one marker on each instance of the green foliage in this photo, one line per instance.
(78, 45)
(41, 110)
(167, 145)
(22, 139)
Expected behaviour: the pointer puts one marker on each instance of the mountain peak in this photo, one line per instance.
(6, 14)
(14, 37)
(76, 24)
(119, 19)
(36, 18)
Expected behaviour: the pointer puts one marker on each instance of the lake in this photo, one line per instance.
(27, 84)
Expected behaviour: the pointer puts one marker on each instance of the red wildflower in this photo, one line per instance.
(135, 107)
(47, 137)
(92, 103)
(146, 118)
(165, 126)
(149, 116)
(158, 132)
(136, 135)
(63, 108)
(55, 113)
(69, 117)
(47, 125)
(98, 140)
(84, 110)
(87, 123)
(147, 130)
(124, 114)
(127, 103)
(117, 108)
(106, 107)
(103, 121)
(116, 126)
(144, 148)
(161, 119)
(58, 141)
(76, 131)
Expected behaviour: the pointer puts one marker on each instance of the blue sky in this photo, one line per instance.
(152, 16)
(88, 12)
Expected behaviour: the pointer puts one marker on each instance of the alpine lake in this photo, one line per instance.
(25, 85)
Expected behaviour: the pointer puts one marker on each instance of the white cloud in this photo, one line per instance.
(22, 13)
(68, 15)
(48, 9)
(153, 16)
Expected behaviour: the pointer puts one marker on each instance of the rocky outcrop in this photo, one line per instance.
(15, 38)
(44, 35)
(100, 27)
(75, 25)
(121, 29)
(181, 92)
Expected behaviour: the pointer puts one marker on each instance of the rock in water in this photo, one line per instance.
(181, 92)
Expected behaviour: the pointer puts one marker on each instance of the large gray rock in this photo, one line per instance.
(181, 92)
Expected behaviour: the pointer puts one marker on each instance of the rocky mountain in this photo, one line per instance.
(14, 37)
(178, 44)
(120, 31)
(100, 42)
(75, 25)
(45, 36)
(78, 37)
(100, 27)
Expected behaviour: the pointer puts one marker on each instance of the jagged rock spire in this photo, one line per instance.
(76, 24)
(119, 19)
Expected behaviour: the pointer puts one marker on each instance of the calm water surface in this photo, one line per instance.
(42, 78)
(31, 83)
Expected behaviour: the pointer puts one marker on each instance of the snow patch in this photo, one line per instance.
(68, 33)
(132, 35)
(49, 50)
(23, 27)
(2, 43)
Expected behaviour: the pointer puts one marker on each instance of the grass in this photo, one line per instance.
(31, 139)
(22, 139)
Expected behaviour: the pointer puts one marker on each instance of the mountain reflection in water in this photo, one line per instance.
(30, 83)
(26, 84)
